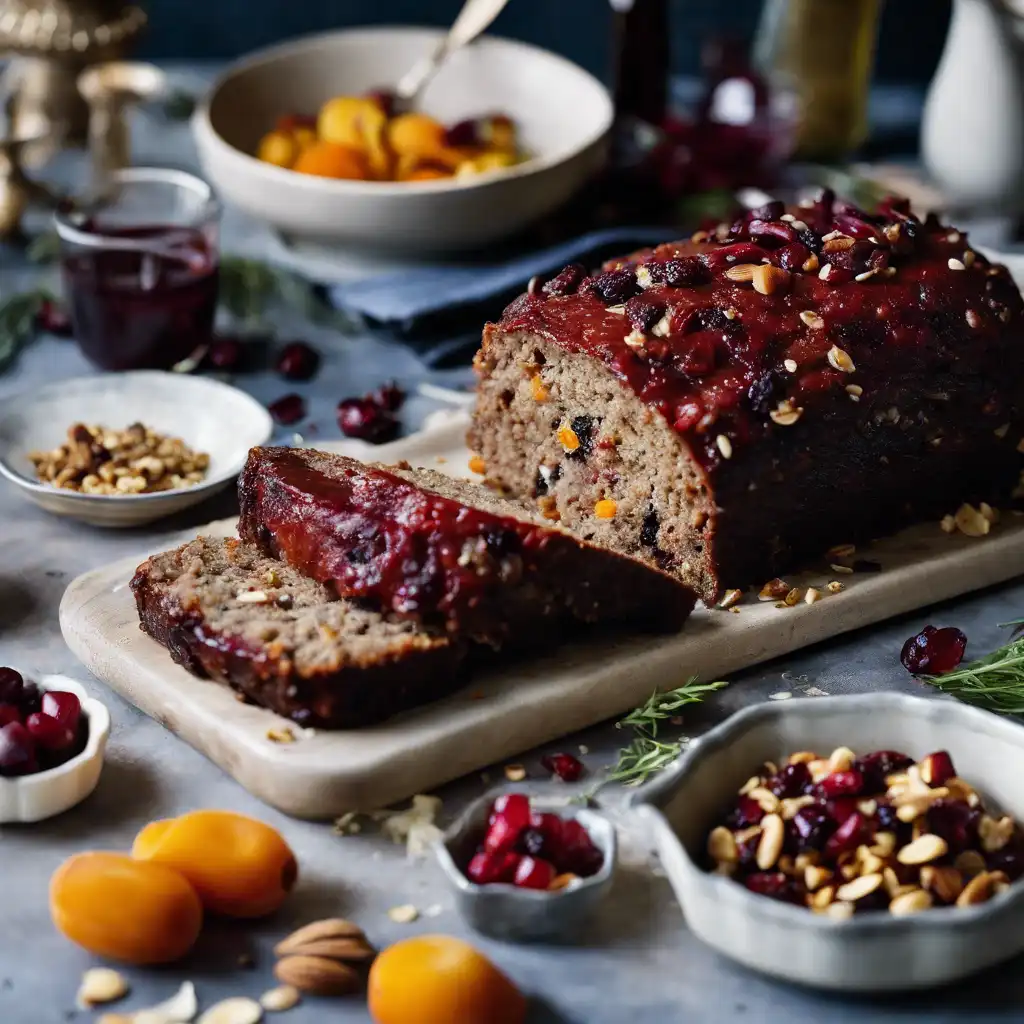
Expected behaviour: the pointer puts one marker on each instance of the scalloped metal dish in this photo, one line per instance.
(869, 953)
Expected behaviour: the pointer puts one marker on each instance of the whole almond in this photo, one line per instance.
(330, 928)
(318, 975)
(354, 950)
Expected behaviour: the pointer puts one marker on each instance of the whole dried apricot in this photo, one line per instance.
(278, 148)
(347, 119)
(125, 909)
(415, 135)
(437, 979)
(331, 160)
(239, 866)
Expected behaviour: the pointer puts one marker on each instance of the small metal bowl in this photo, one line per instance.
(525, 915)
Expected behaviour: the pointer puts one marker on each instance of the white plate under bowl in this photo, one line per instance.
(30, 798)
(208, 416)
(563, 115)
(871, 952)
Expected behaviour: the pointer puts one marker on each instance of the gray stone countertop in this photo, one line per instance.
(636, 963)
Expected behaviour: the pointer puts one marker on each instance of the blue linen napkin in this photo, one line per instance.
(439, 310)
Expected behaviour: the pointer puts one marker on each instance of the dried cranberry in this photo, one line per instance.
(875, 767)
(613, 287)
(509, 816)
(849, 783)
(955, 821)
(791, 257)
(388, 396)
(772, 210)
(851, 834)
(840, 808)
(747, 812)
(934, 651)
(365, 419)
(886, 818)
(288, 409)
(771, 234)
(65, 707)
(579, 854)
(48, 733)
(643, 313)
(9, 713)
(746, 850)
(791, 780)
(680, 272)
(52, 318)
(298, 361)
(11, 684)
(937, 768)
(730, 255)
(385, 99)
(649, 528)
(17, 750)
(775, 885)
(1009, 859)
(565, 766)
(31, 699)
(567, 281)
(225, 353)
(534, 873)
(464, 134)
(811, 828)
(488, 868)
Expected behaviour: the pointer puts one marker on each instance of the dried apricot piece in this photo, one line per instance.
(330, 160)
(125, 909)
(278, 148)
(344, 120)
(416, 135)
(240, 867)
(437, 979)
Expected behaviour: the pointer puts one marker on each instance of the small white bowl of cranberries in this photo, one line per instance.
(52, 739)
(528, 868)
(867, 843)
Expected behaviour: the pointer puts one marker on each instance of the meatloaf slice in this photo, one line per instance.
(748, 398)
(227, 612)
(443, 552)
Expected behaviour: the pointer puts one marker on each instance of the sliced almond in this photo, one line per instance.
(722, 846)
(840, 359)
(766, 799)
(841, 759)
(768, 279)
(840, 911)
(252, 597)
(816, 877)
(789, 806)
(884, 844)
(318, 975)
(786, 414)
(405, 913)
(277, 1000)
(741, 272)
(773, 832)
(802, 757)
(812, 319)
(912, 902)
(859, 887)
(823, 897)
(730, 598)
(237, 1010)
(947, 883)
(515, 772)
(970, 863)
(978, 889)
(181, 1008)
(101, 985)
(927, 848)
(970, 522)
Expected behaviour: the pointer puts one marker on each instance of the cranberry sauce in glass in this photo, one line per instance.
(140, 270)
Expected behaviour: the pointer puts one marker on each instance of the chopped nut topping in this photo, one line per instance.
(840, 359)
(948, 524)
(812, 320)
(786, 414)
(773, 832)
(768, 279)
(811, 264)
(724, 445)
(406, 913)
(774, 590)
(790, 365)
(835, 587)
(955, 264)
(663, 328)
(137, 460)
(617, 310)
(742, 272)
(825, 271)
(731, 314)
(635, 339)
(253, 597)
(515, 772)
(840, 568)
(643, 276)
(923, 849)
(730, 598)
(794, 597)
(866, 275)
(812, 596)
(979, 889)
(854, 391)
(912, 902)
(101, 985)
(971, 522)
(284, 735)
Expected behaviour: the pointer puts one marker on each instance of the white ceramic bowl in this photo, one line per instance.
(869, 952)
(35, 797)
(207, 415)
(563, 113)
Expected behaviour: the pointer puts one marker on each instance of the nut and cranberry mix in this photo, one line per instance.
(532, 849)
(843, 834)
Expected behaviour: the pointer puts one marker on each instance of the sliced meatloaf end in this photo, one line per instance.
(444, 552)
(226, 611)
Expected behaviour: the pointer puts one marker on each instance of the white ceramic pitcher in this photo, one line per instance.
(972, 135)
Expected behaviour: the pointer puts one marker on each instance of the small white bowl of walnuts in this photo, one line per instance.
(867, 843)
(125, 449)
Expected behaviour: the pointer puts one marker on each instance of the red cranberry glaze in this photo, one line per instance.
(718, 366)
(934, 651)
(530, 848)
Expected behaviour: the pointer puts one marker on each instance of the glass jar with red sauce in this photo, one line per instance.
(140, 269)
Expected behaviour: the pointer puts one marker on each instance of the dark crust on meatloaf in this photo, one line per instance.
(828, 410)
(342, 696)
(508, 580)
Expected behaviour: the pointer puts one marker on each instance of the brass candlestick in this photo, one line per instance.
(53, 42)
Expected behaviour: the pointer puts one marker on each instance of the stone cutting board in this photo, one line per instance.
(504, 712)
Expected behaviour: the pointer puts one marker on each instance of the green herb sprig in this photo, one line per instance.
(647, 754)
(994, 682)
(18, 321)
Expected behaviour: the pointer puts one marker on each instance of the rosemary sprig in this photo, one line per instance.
(994, 682)
(647, 754)
(18, 321)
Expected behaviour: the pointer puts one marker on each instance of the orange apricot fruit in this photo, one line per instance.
(125, 909)
(415, 135)
(437, 979)
(240, 867)
(331, 160)
(278, 148)
(345, 120)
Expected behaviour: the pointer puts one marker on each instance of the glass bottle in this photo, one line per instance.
(827, 49)
(641, 59)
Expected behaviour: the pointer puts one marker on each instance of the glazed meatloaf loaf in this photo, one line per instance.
(444, 552)
(226, 611)
(731, 406)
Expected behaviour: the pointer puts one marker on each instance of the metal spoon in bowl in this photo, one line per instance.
(474, 18)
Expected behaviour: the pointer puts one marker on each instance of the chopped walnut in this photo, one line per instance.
(136, 460)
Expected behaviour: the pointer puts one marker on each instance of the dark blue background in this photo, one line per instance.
(910, 38)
